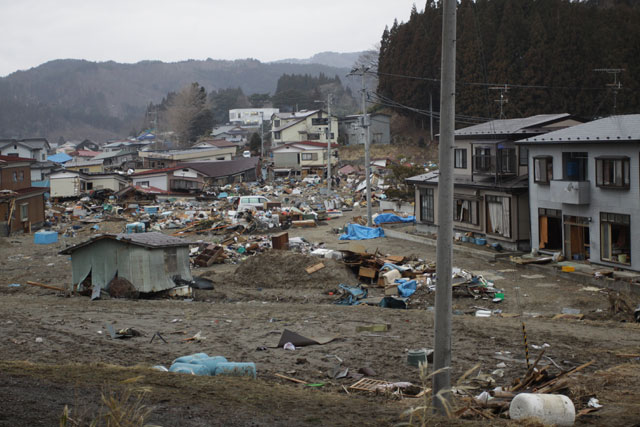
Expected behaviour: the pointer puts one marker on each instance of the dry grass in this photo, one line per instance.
(121, 406)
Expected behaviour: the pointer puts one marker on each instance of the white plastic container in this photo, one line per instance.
(553, 409)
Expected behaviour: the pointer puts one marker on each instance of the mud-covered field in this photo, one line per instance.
(56, 350)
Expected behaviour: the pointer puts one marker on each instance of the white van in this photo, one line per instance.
(251, 203)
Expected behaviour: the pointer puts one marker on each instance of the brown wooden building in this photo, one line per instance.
(21, 205)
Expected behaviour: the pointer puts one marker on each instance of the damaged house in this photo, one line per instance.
(149, 261)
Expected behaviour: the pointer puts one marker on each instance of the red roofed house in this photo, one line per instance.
(21, 205)
(303, 158)
(170, 180)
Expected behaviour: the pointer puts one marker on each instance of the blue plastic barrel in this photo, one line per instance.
(189, 368)
(481, 241)
(191, 357)
(236, 369)
(210, 363)
(45, 237)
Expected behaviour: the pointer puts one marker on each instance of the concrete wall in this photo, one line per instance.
(618, 201)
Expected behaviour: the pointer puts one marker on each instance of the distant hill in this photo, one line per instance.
(80, 99)
(332, 59)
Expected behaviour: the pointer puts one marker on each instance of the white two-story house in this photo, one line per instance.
(584, 186)
(305, 125)
(303, 158)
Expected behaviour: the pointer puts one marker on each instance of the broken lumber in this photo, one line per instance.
(284, 377)
(314, 268)
(43, 285)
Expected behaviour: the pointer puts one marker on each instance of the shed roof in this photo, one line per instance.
(153, 240)
(223, 168)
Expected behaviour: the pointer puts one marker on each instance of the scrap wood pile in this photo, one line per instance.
(495, 403)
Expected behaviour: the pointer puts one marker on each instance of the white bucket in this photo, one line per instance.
(553, 409)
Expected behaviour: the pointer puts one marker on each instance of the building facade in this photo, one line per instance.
(584, 185)
(491, 197)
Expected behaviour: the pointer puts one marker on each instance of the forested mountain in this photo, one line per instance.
(82, 99)
(545, 51)
(333, 59)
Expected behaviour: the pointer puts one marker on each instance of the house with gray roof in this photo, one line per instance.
(491, 197)
(243, 169)
(28, 148)
(584, 191)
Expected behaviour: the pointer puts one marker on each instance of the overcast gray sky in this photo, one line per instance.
(37, 31)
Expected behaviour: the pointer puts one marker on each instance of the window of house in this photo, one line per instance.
(313, 136)
(615, 238)
(460, 158)
(465, 211)
(612, 172)
(543, 169)
(276, 135)
(482, 159)
(507, 160)
(276, 123)
(89, 185)
(15, 176)
(12, 154)
(43, 157)
(574, 166)
(523, 156)
(498, 215)
(427, 205)
(309, 156)
(24, 212)
(143, 183)
(20, 176)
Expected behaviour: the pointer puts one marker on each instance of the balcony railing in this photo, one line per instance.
(501, 165)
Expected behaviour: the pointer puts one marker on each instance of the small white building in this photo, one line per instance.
(69, 183)
(251, 116)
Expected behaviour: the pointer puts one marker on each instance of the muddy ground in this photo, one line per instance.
(56, 350)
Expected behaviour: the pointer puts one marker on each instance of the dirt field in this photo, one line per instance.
(56, 350)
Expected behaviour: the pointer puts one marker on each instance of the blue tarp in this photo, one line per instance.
(353, 295)
(406, 287)
(389, 217)
(59, 158)
(360, 232)
(223, 196)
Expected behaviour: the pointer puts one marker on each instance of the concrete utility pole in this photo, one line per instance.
(261, 136)
(329, 143)
(444, 249)
(362, 71)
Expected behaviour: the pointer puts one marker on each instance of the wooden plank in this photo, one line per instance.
(367, 272)
(284, 377)
(314, 268)
(42, 285)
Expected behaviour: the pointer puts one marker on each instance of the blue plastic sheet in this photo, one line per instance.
(389, 217)
(360, 232)
(390, 266)
(406, 288)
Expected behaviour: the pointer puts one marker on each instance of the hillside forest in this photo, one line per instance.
(551, 56)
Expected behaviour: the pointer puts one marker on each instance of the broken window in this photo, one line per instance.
(498, 215)
(615, 237)
(550, 229)
(465, 211)
(24, 212)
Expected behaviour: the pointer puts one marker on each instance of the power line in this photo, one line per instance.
(510, 86)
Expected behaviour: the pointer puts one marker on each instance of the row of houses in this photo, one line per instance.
(551, 183)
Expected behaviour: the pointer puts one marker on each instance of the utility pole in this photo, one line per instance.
(503, 100)
(329, 143)
(261, 136)
(431, 115)
(362, 71)
(444, 249)
(616, 86)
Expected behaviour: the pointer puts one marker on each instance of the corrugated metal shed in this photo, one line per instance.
(148, 260)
